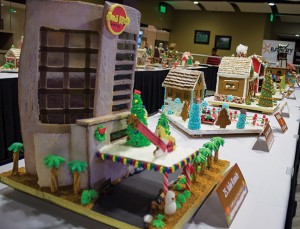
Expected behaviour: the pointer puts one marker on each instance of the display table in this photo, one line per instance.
(9, 114)
(268, 176)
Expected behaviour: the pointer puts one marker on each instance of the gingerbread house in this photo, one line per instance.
(13, 56)
(184, 84)
(236, 77)
(76, 73)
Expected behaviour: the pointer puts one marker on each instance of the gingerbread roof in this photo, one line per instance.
(13, 52)
(235, 66)
(183, 79)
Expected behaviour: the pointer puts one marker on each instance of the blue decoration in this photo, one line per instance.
(162, 107)
(170, 112)
(177, 101)
(241, 121)
(194, 120)
(225, 105)
(204, 104)
(229, 98)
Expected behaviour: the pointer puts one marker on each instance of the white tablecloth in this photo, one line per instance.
(267, 175)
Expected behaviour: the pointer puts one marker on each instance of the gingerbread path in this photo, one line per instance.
(66, 199)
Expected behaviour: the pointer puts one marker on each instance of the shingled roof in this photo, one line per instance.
(183, 79)
(13, 52)
(235, 66)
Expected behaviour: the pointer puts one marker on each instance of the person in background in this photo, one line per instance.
(212, 60)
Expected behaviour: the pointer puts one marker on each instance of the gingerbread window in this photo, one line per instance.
(124, 73)
(67, 71)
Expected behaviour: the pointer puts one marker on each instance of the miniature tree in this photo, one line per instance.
(164, 122)
(199, 160)
(16, 148)
(265, 99)
(194, 120)
(77, 167)
(134, 137)
(223, 119)
(241, 121)
(282, 83)
(54, 162)
(185, 111)
(203, 158)
(218, 142)
(88, 195)
(212, 147)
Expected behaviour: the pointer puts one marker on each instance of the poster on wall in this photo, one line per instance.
(269, 50)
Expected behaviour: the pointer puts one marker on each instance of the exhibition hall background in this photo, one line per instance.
(246, 28)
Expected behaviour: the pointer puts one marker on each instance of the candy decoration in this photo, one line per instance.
(100, 134)
(254, 120)
(263, 120)
(235, 115)
(230, 115)
(166, 183)
(188, 177)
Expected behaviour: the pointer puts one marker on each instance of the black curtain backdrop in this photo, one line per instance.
(9, 117)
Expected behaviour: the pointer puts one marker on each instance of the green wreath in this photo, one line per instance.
(100, 133)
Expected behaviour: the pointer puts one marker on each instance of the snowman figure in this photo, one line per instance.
(170, 204)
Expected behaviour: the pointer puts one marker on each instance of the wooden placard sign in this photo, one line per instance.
(285, 112)
(290, 92)
(231, 192)
(281, 122)
(266, 143)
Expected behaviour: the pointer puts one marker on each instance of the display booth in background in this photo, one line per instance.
(270, 51)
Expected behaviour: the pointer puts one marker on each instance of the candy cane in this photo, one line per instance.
(188, 177)
(166, 183)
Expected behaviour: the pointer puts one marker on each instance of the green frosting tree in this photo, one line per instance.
(208, 153)
(265, 99)
(218, 142)
(134, 137)
(88, 195)
(164, 122)
(16, 148)
(241, 121)
(77, 167)
(282, 83)
(54, 162)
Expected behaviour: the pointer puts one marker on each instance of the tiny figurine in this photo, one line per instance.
(170, 204)
(223, 119)
(185, 111)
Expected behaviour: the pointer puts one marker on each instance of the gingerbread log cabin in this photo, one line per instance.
(76, 72)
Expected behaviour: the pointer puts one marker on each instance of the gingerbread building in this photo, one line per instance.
(236, 77)
(76, 72)
(184, 84)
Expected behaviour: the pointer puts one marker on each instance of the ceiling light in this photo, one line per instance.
(297, 35)
(271, 4)
(195, 2)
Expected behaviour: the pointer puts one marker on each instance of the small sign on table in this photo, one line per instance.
(231, 192)
(281, 122)
(284, 110)
(266, 143)
(290, 92)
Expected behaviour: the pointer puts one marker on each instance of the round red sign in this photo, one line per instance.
(116, 19)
